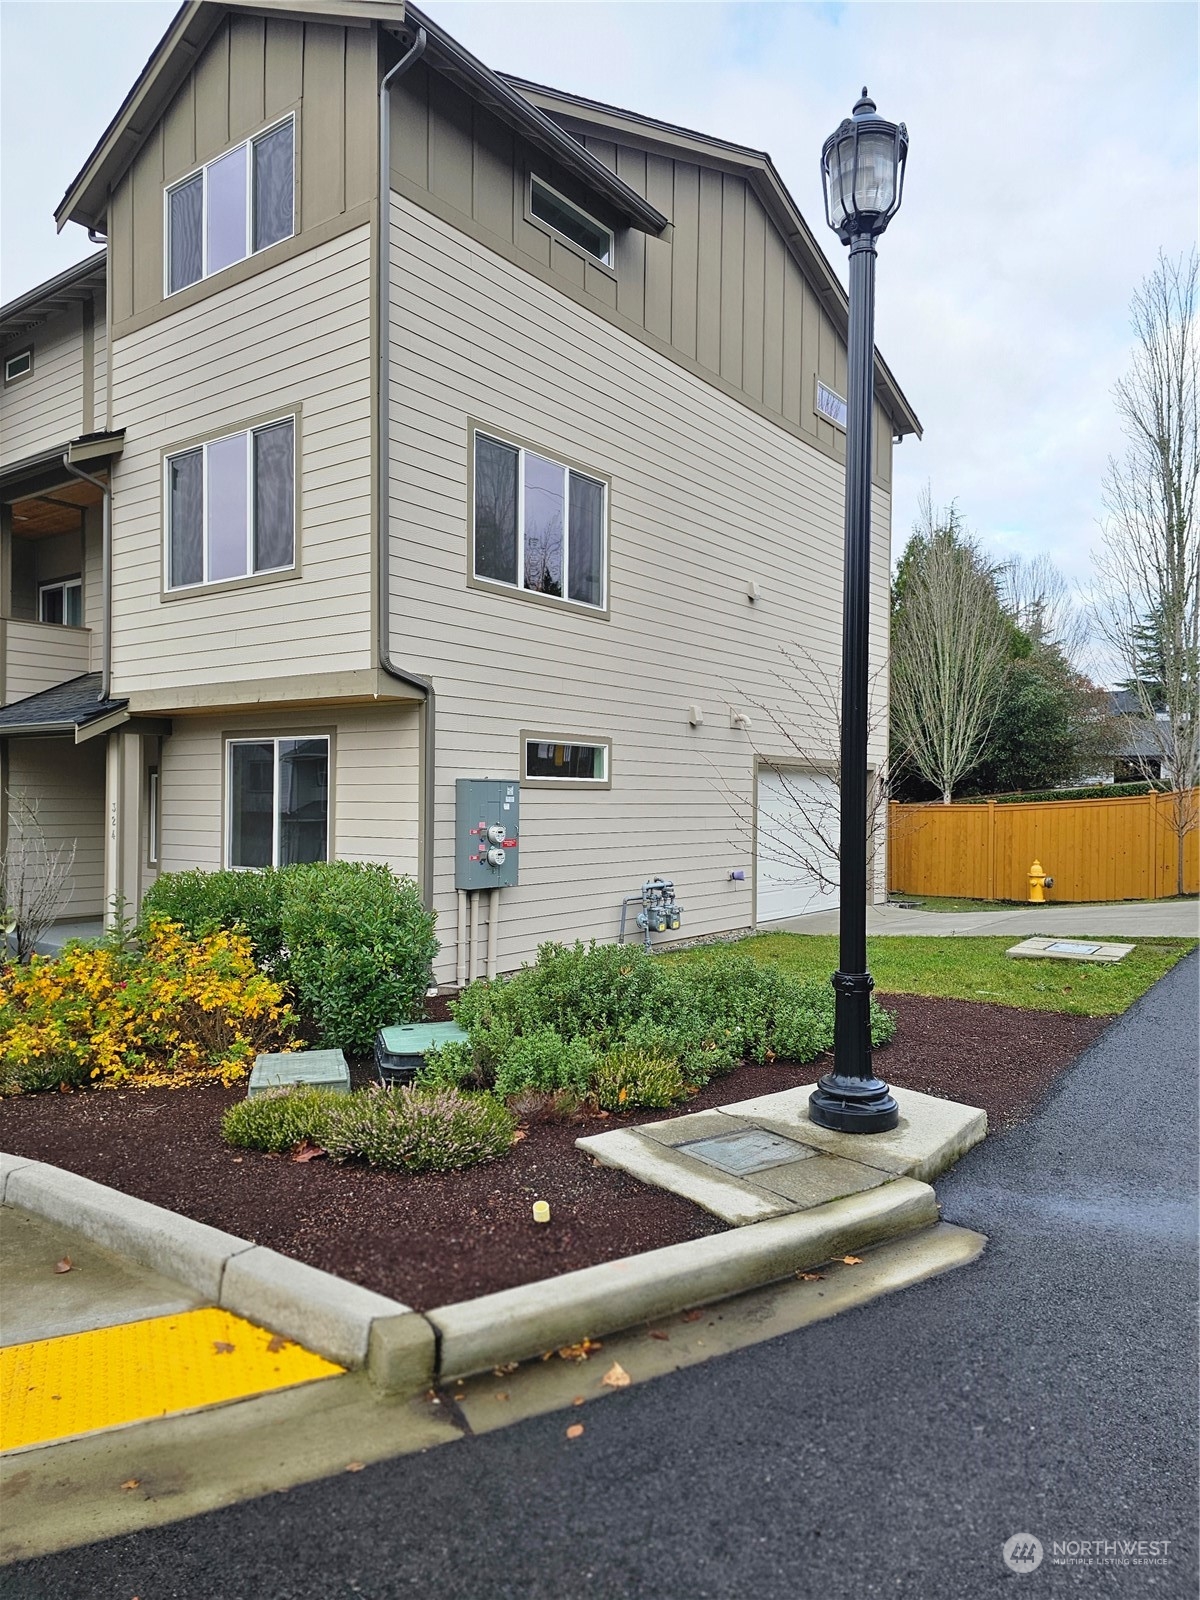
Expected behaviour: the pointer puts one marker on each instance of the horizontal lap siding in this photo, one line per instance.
(706, 497)
(66, 781)
(45, 408)
(375, 783)
(296, 336)
(39, 655)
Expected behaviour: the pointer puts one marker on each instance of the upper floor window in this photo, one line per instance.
(558, 213)
(236, 205)
(539, 525)
(61, 602)
(18, 366)
(231, 506)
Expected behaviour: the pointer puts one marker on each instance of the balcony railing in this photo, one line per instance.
(38, 655)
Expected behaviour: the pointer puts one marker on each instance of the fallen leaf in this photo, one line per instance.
(810, 1277)
(852, 1261)
(220, 1348)
(658, 1333)
(501, 1394)
(580, 1351)
(691, 1316)
(505, 1367)
(355, 1466)
(578, 1400)
(307, 1151)
(616, 1377)
(574, 1431)
(276, 1343)
(64, 1088)
(519, 1135)
(64, 1265)
(132, 1483)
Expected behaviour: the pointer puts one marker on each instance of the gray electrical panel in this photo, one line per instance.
(486, 838)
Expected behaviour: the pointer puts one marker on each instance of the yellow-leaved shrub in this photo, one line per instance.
(179, 1010)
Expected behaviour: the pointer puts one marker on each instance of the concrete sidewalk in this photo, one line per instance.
(1135, 919)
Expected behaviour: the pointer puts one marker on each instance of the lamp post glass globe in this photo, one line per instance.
(862, 170)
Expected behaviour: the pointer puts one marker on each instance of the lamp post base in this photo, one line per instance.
(853, 1105)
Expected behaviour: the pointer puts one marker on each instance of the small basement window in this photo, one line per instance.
(61, 602)
(551, 761)
(550, 207)
(18, 366)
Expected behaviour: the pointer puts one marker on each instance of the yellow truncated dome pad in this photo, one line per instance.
(82, 1382)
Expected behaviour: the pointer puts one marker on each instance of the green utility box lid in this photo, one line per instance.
(307, 1069)
(414, 1038)
(400, 1051)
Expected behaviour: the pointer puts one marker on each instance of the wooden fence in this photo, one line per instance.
(1121, 849)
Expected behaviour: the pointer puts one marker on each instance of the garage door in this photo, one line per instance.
(791, 864)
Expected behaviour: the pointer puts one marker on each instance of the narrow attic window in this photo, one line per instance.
(568, 220)
(18, 366)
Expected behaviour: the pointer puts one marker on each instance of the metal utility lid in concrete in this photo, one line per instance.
(1069, 950)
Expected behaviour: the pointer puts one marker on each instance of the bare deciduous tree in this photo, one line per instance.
(950, 647)
(35, 876)
(1148, 566)
(801, 743)
(1038, 599)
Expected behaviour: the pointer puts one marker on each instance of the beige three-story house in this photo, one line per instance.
(328, 481)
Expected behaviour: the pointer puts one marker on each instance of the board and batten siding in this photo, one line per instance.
(707, 496)
(375, 787)
(253, 71)
(720, 290)
(296, 337)
(66, 783)
(45, 408)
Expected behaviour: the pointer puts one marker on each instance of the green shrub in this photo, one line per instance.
(627, 1078)
(280, 1119)
(449, 1066)
(350, 940)
(420, 1130)
(544, 1061)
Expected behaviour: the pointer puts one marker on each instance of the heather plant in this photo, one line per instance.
(415, 1129)
(280, 1119)
(627, 1077)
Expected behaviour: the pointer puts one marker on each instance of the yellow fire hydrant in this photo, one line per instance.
(1038, 884)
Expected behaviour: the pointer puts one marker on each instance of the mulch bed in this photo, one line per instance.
(432, 1240)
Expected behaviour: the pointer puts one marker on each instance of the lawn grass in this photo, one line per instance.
(974, 969)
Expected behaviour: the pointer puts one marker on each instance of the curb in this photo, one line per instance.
(475, 1335)
(406, 1351)
(323, 1312)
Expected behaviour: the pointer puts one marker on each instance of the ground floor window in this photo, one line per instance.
(277, 801)
(549, 760)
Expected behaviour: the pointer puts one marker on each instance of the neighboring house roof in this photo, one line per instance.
(86, 198)
(758, 168)
(1140, 738)
(65, 708)
(59, 293)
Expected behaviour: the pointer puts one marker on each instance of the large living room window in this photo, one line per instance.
(277, 801)
(232, 207)
(540, 526)
(231, 507)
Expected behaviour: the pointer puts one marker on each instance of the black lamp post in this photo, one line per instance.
(862, 167)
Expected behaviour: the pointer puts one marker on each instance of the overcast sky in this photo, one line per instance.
(1053, 152)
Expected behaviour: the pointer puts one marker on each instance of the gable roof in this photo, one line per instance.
(86, 199)
(591, 116)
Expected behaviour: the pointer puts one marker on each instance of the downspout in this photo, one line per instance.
(105, 575)
(383, 449)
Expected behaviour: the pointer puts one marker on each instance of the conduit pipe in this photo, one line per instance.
(105, 574)
(493, 929)
(473, 938)
(383, 488)
(460, 964)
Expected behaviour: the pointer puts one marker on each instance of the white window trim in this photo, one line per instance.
(274, 740)
(64, 584)
(17, 355)
(578, 741)
(251, 571)
(523, 450)
(607, 261)
(247, 145)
